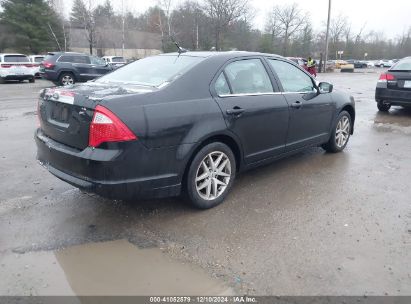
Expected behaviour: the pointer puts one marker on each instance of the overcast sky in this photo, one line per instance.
(377, 15)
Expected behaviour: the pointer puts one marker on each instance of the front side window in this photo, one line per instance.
(153, 71)
(97, 61)
(248, 77)
(291, 77)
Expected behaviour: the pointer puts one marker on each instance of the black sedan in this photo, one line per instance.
(187, 124)
(357, 64)
(394, 86)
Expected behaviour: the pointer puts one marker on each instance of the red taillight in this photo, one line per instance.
(387, 77)
(107, 127)
(6, 66)
(48, 65)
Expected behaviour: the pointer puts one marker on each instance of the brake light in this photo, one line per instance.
(6, 66)
(387, 77)
(48, 65)
(107, 127)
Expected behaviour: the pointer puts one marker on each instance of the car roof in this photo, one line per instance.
(11, 54)
(229, 54)
(67, 53)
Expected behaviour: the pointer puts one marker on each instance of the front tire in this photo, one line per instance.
(383, 107)
(211, 175)
(340, 134)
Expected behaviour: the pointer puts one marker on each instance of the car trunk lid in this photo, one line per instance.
(66, 113)
(402, 80)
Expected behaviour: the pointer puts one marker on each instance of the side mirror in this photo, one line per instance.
(325, 87)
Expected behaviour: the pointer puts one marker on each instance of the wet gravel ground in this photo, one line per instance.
(311, 224)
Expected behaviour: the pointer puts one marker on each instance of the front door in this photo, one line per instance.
(252, 109)
(310, 112)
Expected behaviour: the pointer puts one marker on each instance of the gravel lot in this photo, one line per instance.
(312, 224)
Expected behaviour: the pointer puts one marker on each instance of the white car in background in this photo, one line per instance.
(384, 63)
(16, 67)
(370, 64)
(115, 61)
(36, 60)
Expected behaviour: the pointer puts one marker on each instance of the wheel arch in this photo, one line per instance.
(350, 109)
(230, 141)
(68, 72)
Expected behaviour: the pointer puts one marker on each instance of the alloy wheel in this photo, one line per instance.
(67, 80)
(213, 175)
(342, 132)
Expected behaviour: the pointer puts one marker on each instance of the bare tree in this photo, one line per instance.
(167, 8)
(290, 20)
(222, 13)
(82, 15)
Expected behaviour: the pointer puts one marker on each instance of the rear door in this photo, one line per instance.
(80, 64)
(310, 113)
(253, 108)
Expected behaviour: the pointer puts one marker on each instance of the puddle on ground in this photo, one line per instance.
(108, 268)
(401, 117)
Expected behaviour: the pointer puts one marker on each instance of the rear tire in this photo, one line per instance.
(340, 134)
(66, 79)
(383, 107)
(32, 80)
(211, 175)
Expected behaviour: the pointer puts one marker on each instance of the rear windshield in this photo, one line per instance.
(16, 58)
(403, 65)
(152, 71)
(118, 59)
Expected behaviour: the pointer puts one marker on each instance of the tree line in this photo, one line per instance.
(38, 25)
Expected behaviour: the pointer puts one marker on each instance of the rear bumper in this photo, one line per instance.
(49, 75)
(18, 77)
(395, 97)
(116, 173)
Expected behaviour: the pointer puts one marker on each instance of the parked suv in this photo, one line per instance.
(67, 68)
(16, 67)
(36, 60)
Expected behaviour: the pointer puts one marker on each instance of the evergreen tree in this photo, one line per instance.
(35, 26)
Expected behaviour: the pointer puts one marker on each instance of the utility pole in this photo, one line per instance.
(123, 28)
(327, 34)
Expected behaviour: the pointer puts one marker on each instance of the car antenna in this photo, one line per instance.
(180, 49)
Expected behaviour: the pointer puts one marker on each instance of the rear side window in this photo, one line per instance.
(403, 65)
(248, 77)
(16, 58)
(74, 59)
(38, 59)
(221, 85)
(291, 77)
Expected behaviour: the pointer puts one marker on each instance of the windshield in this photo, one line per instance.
(403, 65)
(152, 71)
(118, 59)
(16, 58)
